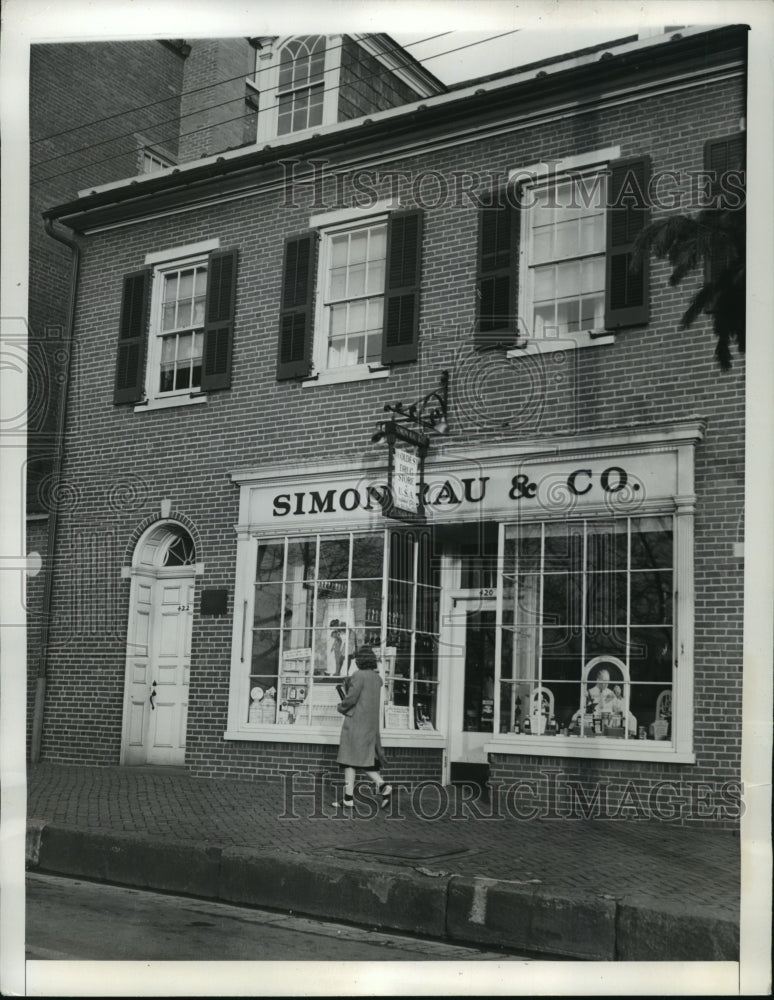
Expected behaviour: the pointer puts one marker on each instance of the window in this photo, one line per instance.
(588, 628)
(555, 263)
(301, 88)
(352, 278)
(365, 313)
(152, 162)
(176, 327)
(564, 253)
(317, 600)
(176, 352)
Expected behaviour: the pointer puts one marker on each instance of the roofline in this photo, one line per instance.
(699, 45)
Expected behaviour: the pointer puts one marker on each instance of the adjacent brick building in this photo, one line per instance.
(567, 608)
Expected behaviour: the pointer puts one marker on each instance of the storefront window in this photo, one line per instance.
(588, 629)
(319, 598)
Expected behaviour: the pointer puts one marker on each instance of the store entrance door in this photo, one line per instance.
(471, 637)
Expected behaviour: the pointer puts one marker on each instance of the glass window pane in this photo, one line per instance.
(184, 313)
(339, 250)
(652, 543)
(567, 241)
(545, 283)
(270, 560)
(561, 654)
(356, 320)
(542, 245)
(185, 290)
(268, 604)
(358, 246)
(652, 598)
(367, 556)
(606, 599)
(375, 284)
(334, 558)
(650, 654)
(168, 314)
(604, 551)
(198, 313)
(265, 658)
(568, 278)
(170, 288)
(356, 283)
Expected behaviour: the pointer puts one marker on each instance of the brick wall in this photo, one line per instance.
(121, 465)
(366, 85)
(92, 105)
(214, 114)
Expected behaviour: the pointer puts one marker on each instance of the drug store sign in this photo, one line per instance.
(465, 490)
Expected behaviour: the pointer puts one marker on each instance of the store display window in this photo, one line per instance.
(588, 626)
(317, 600)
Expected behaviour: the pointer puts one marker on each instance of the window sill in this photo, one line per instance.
(312, 734)
(359, 374)
(598, 748)
(547, 345)
(166, 402)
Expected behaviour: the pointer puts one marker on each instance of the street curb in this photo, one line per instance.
(524, 916)
(336, 889)
(521, 916)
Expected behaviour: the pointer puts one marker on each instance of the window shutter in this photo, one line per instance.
(294, 358)
(720, 157)
(219, 320)
(627, 298)
(132, 337)
(497, 274)
(400, 337)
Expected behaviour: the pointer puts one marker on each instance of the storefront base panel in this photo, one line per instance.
(240, 761)
(563, 789)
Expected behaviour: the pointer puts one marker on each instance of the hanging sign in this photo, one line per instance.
(405, 473)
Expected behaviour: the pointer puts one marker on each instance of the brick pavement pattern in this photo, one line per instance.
(605, 857)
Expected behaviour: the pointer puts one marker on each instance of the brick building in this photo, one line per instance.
(567, 599)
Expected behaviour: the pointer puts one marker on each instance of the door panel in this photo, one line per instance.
(471, 715)
(170, 669)
(158, 665)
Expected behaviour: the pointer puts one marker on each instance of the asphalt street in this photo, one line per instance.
(77, 919)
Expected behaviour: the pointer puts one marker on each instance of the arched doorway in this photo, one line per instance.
(158, 652)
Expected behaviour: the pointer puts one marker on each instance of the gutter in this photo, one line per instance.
(53, 519)
(526, 90)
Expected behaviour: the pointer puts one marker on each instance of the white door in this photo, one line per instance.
(158, 667)
(471, 692)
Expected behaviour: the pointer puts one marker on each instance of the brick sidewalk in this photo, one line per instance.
(604, 858)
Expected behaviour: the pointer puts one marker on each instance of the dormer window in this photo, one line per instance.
(301, 87)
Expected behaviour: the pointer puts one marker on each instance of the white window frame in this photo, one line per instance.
(162, 262)
(679, 748)
(267, 83)
(242, 638)
(585, 165)
(330, 224)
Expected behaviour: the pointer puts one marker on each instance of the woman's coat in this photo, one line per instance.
(360, 744)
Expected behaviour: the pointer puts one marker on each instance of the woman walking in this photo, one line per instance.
(360, 745)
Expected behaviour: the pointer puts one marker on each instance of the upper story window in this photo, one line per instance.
(152, 162)
(555, 266)
(176, 327)
(178, 330)
(352, 277)
(350, 296)
(301, 84)
(564, 251)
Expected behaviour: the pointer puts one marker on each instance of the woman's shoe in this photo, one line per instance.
(346, 803)
(386, 795)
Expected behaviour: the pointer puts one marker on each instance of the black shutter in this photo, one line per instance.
(722, 156)
(219, 320)
(132, 337)
(400, 337)
(497, 273)
(627, 298)
(296, 332)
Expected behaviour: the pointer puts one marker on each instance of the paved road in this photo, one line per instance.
(75, 919)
